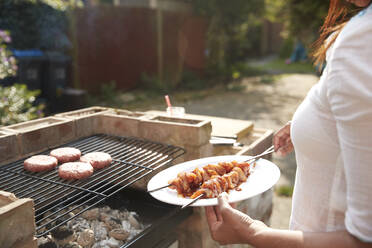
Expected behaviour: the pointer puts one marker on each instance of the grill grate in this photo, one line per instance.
(55, 198)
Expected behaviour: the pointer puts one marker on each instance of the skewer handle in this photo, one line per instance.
(266, 152)
(192, 202)
(156, 189)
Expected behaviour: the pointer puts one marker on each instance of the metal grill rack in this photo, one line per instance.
(55, 198)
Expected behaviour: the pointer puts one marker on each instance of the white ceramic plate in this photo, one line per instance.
(264, 176)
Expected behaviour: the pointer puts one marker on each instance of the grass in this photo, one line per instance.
(278, 66)
(284, 190)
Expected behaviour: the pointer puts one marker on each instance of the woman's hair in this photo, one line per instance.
(339, 13)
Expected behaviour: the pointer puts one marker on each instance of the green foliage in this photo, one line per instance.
(108, 91)
(191, 81)
(63, 4)
(301, 18)
(188, 81)
(278, 66)
(233, 31)
(285, 190)
(8, 65)
(243, 69)
(154, 84)
(275, 10)
(35, 24)
(17, 104)
(306, 17)
(109, 95)
(286, 48)
(233, 72)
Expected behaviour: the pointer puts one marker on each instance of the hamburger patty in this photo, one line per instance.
(66, 154)
(39, 163)
(98, 160)
(75, 170)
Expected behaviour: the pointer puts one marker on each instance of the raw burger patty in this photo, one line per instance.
(66, 154)
(39, 163)
(97, 159)
(75, 170)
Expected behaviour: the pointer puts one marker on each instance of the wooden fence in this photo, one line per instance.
(117, 43)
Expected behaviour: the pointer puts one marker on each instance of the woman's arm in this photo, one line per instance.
(230, 226)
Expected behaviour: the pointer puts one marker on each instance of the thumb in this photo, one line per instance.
(223, 201)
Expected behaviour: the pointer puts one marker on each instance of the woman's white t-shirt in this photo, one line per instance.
(332, 134)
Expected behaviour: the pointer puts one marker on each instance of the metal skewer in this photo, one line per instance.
(251, 159)
(156, 189)
(193, 201)
(266, 152)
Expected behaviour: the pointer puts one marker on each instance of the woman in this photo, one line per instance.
(331, 133)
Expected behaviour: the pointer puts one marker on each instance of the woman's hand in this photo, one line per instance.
(230, 226)
(282, 140)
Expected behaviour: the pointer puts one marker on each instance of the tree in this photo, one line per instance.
(37, 24)
(301, 18)
(234, 29)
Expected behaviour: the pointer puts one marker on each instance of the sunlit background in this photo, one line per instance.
(58, 55)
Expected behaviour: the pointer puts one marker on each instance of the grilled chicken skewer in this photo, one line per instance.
(186, 183)
(180, 188)
(223, 183)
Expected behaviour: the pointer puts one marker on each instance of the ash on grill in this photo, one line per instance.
(101, 227)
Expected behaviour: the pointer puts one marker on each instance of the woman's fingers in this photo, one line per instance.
(214, 213)
(281, 136)
(282, 140)
(223, 200)
(218, 213)
(211, 215)
(277, 140)
(284, 150)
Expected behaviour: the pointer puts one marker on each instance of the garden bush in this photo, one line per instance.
(17, 103)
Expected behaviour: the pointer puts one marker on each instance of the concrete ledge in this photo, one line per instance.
(6, 198)
(84, 112)
(87, 121)
(37, 135)
(9, 147)
(122, 122)
(176, 131)
(17, 224)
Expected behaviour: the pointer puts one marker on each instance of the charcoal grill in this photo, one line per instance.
(133, 158)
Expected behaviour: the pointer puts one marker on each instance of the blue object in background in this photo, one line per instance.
(299, 53)
(30, 68)
(27, 53)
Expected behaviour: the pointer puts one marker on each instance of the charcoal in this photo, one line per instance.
(61, 233)
(43, 242)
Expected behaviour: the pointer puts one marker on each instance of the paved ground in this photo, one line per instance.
(268, 105)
